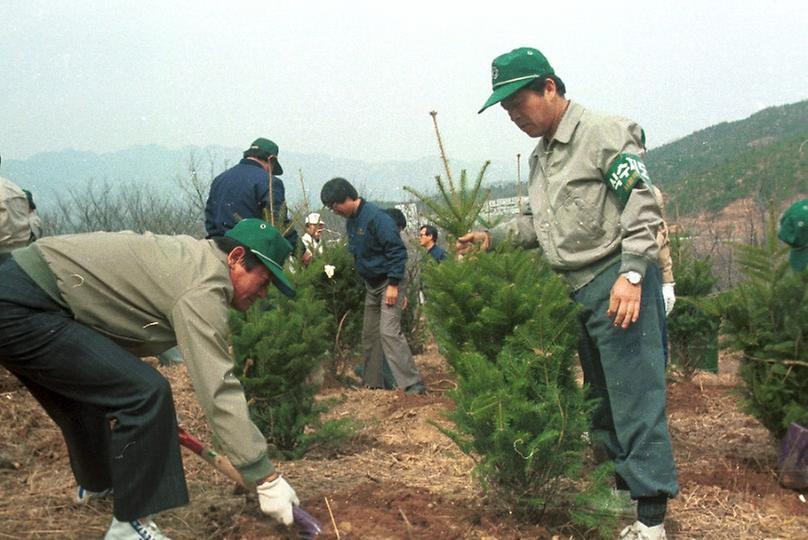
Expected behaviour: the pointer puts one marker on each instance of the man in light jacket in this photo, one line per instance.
(77, 312)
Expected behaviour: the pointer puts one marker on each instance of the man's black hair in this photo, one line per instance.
(227, 244)
(431, 231)
(538, 84)
(337, 190)
(398, 217)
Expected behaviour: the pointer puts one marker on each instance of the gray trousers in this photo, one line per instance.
(382, 337)
(625, 372)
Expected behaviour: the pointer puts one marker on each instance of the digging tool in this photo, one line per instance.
(309, 527)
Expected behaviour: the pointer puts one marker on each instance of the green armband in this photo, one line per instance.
(624, 174)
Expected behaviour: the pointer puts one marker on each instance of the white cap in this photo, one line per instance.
(313, 219)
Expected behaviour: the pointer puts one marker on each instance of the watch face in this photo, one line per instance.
(633, 277)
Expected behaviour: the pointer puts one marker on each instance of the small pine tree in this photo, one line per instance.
(692, 330)
(457, 208)
(276, 349)
(342, 295)
(508, 328)
(478, 305)
(766, 317)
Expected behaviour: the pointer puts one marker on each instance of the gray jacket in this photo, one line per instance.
(578, 221)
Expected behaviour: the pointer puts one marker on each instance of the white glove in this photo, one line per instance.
(669, 297)
(276, 499)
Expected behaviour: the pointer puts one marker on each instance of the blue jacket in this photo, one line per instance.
(376, 245)
(437, 253)
(243, 191)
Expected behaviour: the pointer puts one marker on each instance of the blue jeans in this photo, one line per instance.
(115, 412)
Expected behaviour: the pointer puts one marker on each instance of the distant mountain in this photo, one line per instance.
(765, 155)
(51, 174)
(762, 156)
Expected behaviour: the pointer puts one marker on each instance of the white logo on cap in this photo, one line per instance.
(494, 73)
(262, 226)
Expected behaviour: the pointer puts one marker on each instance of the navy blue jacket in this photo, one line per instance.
(376, 245)
(243, 192)
(437, 252)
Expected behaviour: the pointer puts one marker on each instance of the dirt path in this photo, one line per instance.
(400, 478)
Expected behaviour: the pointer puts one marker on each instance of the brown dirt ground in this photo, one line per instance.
(400, 478)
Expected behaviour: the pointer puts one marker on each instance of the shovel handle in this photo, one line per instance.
(220, 462)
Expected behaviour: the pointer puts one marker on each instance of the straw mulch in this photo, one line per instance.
(400, 477)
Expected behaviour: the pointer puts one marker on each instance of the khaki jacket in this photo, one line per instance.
(576, 219)
(664, 243)
(147, 293)
(15, 230)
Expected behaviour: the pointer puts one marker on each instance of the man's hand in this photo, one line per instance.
(624, 302)
(465, 242)
(276, 498)
(669, 296)
(391, 295)
(307, 257)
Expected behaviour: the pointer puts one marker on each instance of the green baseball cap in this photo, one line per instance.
(268, 245)
(268, 148)
(794, 232)
(514, 70)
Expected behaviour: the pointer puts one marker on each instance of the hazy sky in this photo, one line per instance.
(357, 79)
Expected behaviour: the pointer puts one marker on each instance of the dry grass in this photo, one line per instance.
(400, 477)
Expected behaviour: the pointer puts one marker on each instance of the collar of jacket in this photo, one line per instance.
(251, 162)
(565, 128)
(359, 208)
(568, 122)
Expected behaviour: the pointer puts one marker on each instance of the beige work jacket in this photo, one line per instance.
(576, 219)
(15, 230)
(147, 293)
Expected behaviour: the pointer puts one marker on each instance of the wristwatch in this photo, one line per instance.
(633, 277)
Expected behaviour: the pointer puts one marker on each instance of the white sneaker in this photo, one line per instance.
(139, 529)
(82, 495)
(640, 531)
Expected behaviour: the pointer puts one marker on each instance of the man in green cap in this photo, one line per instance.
(243, 192)
(76, 314)
(794, 232)
(595, 218)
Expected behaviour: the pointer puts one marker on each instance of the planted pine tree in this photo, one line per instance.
(692, 330)
(766, 317)
(276, 348)
(335, 282)
(456, 208)
(507, 326)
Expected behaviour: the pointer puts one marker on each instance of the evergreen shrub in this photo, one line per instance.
(692, 330)
(508, 328)
(342, 296)
(277, 345)
(766, 317)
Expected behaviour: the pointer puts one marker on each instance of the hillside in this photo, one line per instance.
(758, 157)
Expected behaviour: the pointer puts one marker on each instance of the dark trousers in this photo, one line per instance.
(116, 412)
(625, 372)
